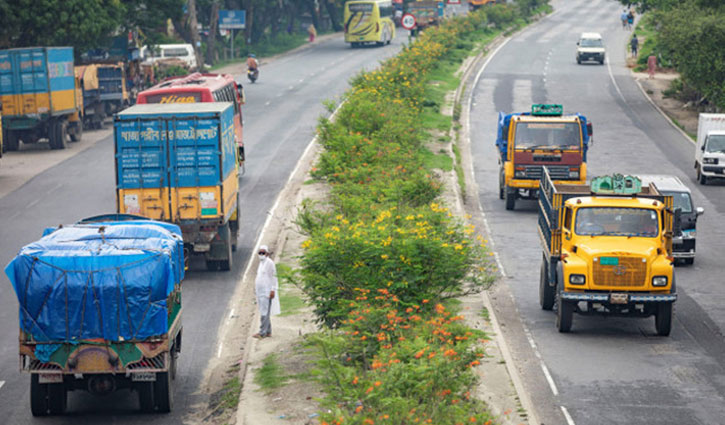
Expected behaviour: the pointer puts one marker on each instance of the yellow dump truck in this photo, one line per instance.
(607, 249)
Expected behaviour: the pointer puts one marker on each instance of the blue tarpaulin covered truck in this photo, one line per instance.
(100, 310)
(177, 163)
(40, 95)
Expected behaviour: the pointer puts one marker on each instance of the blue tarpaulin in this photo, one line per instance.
(101, 280)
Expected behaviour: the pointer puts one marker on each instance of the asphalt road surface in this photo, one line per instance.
(280, 117)
(608, 370)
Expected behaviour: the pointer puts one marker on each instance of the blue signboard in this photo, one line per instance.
(232, 19)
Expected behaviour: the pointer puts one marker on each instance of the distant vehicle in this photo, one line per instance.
(426, 12)
(544, 137)
(198, 87)
(41, 96)
(590, 47)
(710, 150)
(683, 243)
(104, 91)
(176, 163)
(369, 21)
(78, 333)
(253, 74)
(607, 250)
(183, 52)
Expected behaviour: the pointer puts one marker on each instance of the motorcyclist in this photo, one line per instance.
(252, 63)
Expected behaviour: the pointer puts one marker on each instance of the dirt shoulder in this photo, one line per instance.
(657, 88)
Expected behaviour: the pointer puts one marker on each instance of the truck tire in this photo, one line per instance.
(501, 187)
(510, 198)
(11, 141)
(547, 295)
(57, 134)
(77, 131)
(164, 391)
(663, 319)
(689, 261)
(226, 265)
(38, 396)
(701, 178)
(57, 398)
(564, 315)
(146, 396)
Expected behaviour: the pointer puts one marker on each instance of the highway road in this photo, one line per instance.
(608, 370)
(280, 118)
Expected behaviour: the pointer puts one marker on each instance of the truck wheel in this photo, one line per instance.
(11, 141)
(663, 319)
(38, 396)
(57, 398)
(564, 315)
(501, 187)
(163, 392)
(212, 265)
(701, 178)
(77, 133)
(546, 291)
(689, 261)
(146, 396)
(226, 265)
(57, 133)
(510, 198)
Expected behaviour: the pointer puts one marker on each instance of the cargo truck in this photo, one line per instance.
(104, 91)
(529, 141)
(607, 250)
(477, 4)
(177, 163)
(710, 150)
(40, 95)
(426, 13)
(100, 310)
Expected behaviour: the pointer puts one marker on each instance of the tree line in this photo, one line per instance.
(690, 35)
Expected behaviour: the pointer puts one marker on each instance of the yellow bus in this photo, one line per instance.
(369, 21)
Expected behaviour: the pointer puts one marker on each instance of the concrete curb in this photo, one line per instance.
(662, 112)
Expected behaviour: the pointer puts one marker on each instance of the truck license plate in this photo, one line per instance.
(50, 378)
(618, 298)
(143, 377)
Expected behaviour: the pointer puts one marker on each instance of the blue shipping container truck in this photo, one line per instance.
(177, 163)
(40, 96)
(100, 310)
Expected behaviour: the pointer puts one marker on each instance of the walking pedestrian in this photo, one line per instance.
(312, 32)
(651, 65)
(623, 18)
(634, 45)
(630, 19)
(266, 288)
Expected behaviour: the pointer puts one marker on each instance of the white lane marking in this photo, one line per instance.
(549, 379)
(669, 120)
(301, 80)
(611, 75)
(291, 87)
(569, 420)
(267, 103)
(231, 314)
(219, 350)
(31, 204)
(2, 383)
(279, 95)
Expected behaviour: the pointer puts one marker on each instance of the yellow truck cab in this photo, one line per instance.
(544, 137)
(607, 250)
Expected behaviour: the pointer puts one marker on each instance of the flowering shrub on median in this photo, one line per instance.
(385, 254)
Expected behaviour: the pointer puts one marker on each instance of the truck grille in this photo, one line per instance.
(557, 172)
(157, 363)
(629, 272)
(37, 365)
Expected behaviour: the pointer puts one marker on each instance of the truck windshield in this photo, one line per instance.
(604, 221)
(681, 200)
(715, 143)
(591, 42)
(547, 135)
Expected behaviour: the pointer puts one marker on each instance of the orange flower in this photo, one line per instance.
(368, 390)
(355, 381)
(425, 301)
(358, 409)
(420, 353)
(378, 383)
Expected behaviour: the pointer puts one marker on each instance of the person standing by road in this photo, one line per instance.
(312, 32)
(266, 288)
(630, 19)
(651, 65)
(634, 45)
(623, 18)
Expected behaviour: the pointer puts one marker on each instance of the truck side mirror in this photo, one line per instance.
(699, 211)
(590, 129)
(677, 222)
(702, 148)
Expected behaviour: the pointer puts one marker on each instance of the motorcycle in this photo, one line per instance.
(252, 74)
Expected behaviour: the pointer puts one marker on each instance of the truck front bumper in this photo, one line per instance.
(636, 297)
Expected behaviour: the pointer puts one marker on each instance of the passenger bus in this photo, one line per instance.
(198, 87)
(369, 21)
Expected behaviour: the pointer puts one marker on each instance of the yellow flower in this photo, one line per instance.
(384, 256)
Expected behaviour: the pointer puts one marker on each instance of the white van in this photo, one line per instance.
(590, 47)
(183, 52)
(710, 150)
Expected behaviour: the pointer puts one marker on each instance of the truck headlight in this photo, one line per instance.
(659, 281)
(573, 174)
(577, 279)
(689, 234)
(709, 160)
(519, 174)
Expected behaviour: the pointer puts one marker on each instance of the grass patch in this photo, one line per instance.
(291, 304)
(271, 375)
(485, 314)
(460, 176)
(441, 161)
(231, 391)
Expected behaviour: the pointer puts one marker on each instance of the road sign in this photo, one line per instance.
(232, 19)
(408, 21)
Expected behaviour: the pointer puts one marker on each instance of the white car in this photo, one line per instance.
(184, 52)
(590, 47)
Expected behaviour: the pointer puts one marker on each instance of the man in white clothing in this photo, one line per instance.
(266, 288)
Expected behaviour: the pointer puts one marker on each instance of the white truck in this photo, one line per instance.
(710, 151)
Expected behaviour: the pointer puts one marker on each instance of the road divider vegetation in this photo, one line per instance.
(385, 256)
